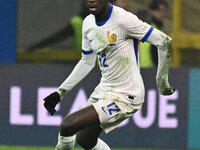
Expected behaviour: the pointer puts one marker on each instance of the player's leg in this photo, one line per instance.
(88, 139)
(73, 123)
(79, 120)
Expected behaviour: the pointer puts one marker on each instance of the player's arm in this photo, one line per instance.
(142, 31)
(164, 46)
(84, 66)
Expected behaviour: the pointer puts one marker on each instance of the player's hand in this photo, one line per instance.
(51, 101)
(169, 91)
(164, 88)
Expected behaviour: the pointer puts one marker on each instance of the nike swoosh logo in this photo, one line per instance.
(91, 40)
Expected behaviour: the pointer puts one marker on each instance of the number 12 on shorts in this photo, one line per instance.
(102, 60)
(111, 110)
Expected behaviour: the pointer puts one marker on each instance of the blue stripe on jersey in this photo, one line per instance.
(136, 48)
(109, 14)
(87, 52)
(147, 35)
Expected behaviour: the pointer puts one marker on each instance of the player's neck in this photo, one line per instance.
(101, 17)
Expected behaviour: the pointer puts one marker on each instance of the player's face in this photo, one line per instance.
(96, 6)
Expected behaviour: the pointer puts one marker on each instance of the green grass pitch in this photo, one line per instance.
(51, 148)
(39, 148)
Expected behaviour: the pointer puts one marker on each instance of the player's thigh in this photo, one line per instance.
(87, 138)
(79, 120)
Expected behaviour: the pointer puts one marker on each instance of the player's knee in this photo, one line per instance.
(86, 142)
(67, 128)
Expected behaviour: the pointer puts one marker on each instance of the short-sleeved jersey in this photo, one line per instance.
(116, 44)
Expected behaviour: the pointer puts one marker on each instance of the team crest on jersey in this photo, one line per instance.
(111, 39)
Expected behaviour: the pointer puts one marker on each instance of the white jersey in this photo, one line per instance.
(116, 43)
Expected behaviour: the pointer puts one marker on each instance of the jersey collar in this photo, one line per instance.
(109, 15)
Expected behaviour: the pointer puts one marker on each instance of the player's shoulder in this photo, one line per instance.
(119, 10)
(123, 14)
(89, 18)
(88, 21)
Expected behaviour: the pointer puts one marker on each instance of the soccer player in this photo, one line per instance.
(111, 34)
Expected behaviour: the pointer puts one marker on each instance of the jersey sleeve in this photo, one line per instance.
(135, 28)
(164, 46)
(86, 48)
(84, 66)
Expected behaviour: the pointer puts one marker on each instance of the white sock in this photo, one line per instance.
(101, 145)
(65, 143)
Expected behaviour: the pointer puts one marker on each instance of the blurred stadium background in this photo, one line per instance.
(27, 76)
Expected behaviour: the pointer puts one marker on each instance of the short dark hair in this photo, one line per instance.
(154, 5)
